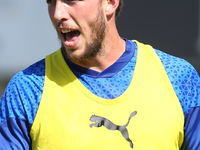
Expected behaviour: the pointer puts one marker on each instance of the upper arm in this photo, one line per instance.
(18, 107)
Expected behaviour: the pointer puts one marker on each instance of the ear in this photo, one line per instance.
(111, 6)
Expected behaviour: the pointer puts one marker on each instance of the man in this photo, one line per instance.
(100, 91)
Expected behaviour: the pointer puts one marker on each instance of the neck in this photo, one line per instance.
(112, 50)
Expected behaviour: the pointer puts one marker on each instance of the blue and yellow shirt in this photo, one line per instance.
(105, 92)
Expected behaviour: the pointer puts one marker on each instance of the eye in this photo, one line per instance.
(71, 0)
(50, 1)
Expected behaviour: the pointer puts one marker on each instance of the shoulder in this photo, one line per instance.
(184, 78)
(23, 93)
(18, 106)
(177, 68)
(174, 64)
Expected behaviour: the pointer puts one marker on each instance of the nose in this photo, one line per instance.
(61, 11)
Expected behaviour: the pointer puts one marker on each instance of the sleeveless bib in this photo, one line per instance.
(147, 116)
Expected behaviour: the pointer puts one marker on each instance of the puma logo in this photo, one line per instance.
(99, 121)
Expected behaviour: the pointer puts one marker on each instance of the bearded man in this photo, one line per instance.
(100, 91)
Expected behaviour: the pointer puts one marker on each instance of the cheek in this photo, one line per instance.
(86, 12)
(51, 13)
(51, 16)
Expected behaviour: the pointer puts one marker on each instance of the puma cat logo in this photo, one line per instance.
(99, 121)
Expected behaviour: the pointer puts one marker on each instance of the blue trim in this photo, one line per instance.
(110, 71)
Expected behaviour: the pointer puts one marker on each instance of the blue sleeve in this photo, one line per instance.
(18, 107)
(192, 130)
(186, 83)
(14, 135)
(192, 113)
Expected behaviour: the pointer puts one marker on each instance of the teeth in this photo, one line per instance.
(66, 31)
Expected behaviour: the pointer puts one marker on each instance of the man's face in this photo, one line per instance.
(80, 25)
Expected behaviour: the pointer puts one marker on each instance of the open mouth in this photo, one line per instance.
(70, 35)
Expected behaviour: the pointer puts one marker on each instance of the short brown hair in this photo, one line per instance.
(118, 10)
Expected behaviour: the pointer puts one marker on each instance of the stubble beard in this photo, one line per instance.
(95, 45)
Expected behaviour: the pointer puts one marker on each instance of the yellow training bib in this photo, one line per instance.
(147, 116)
